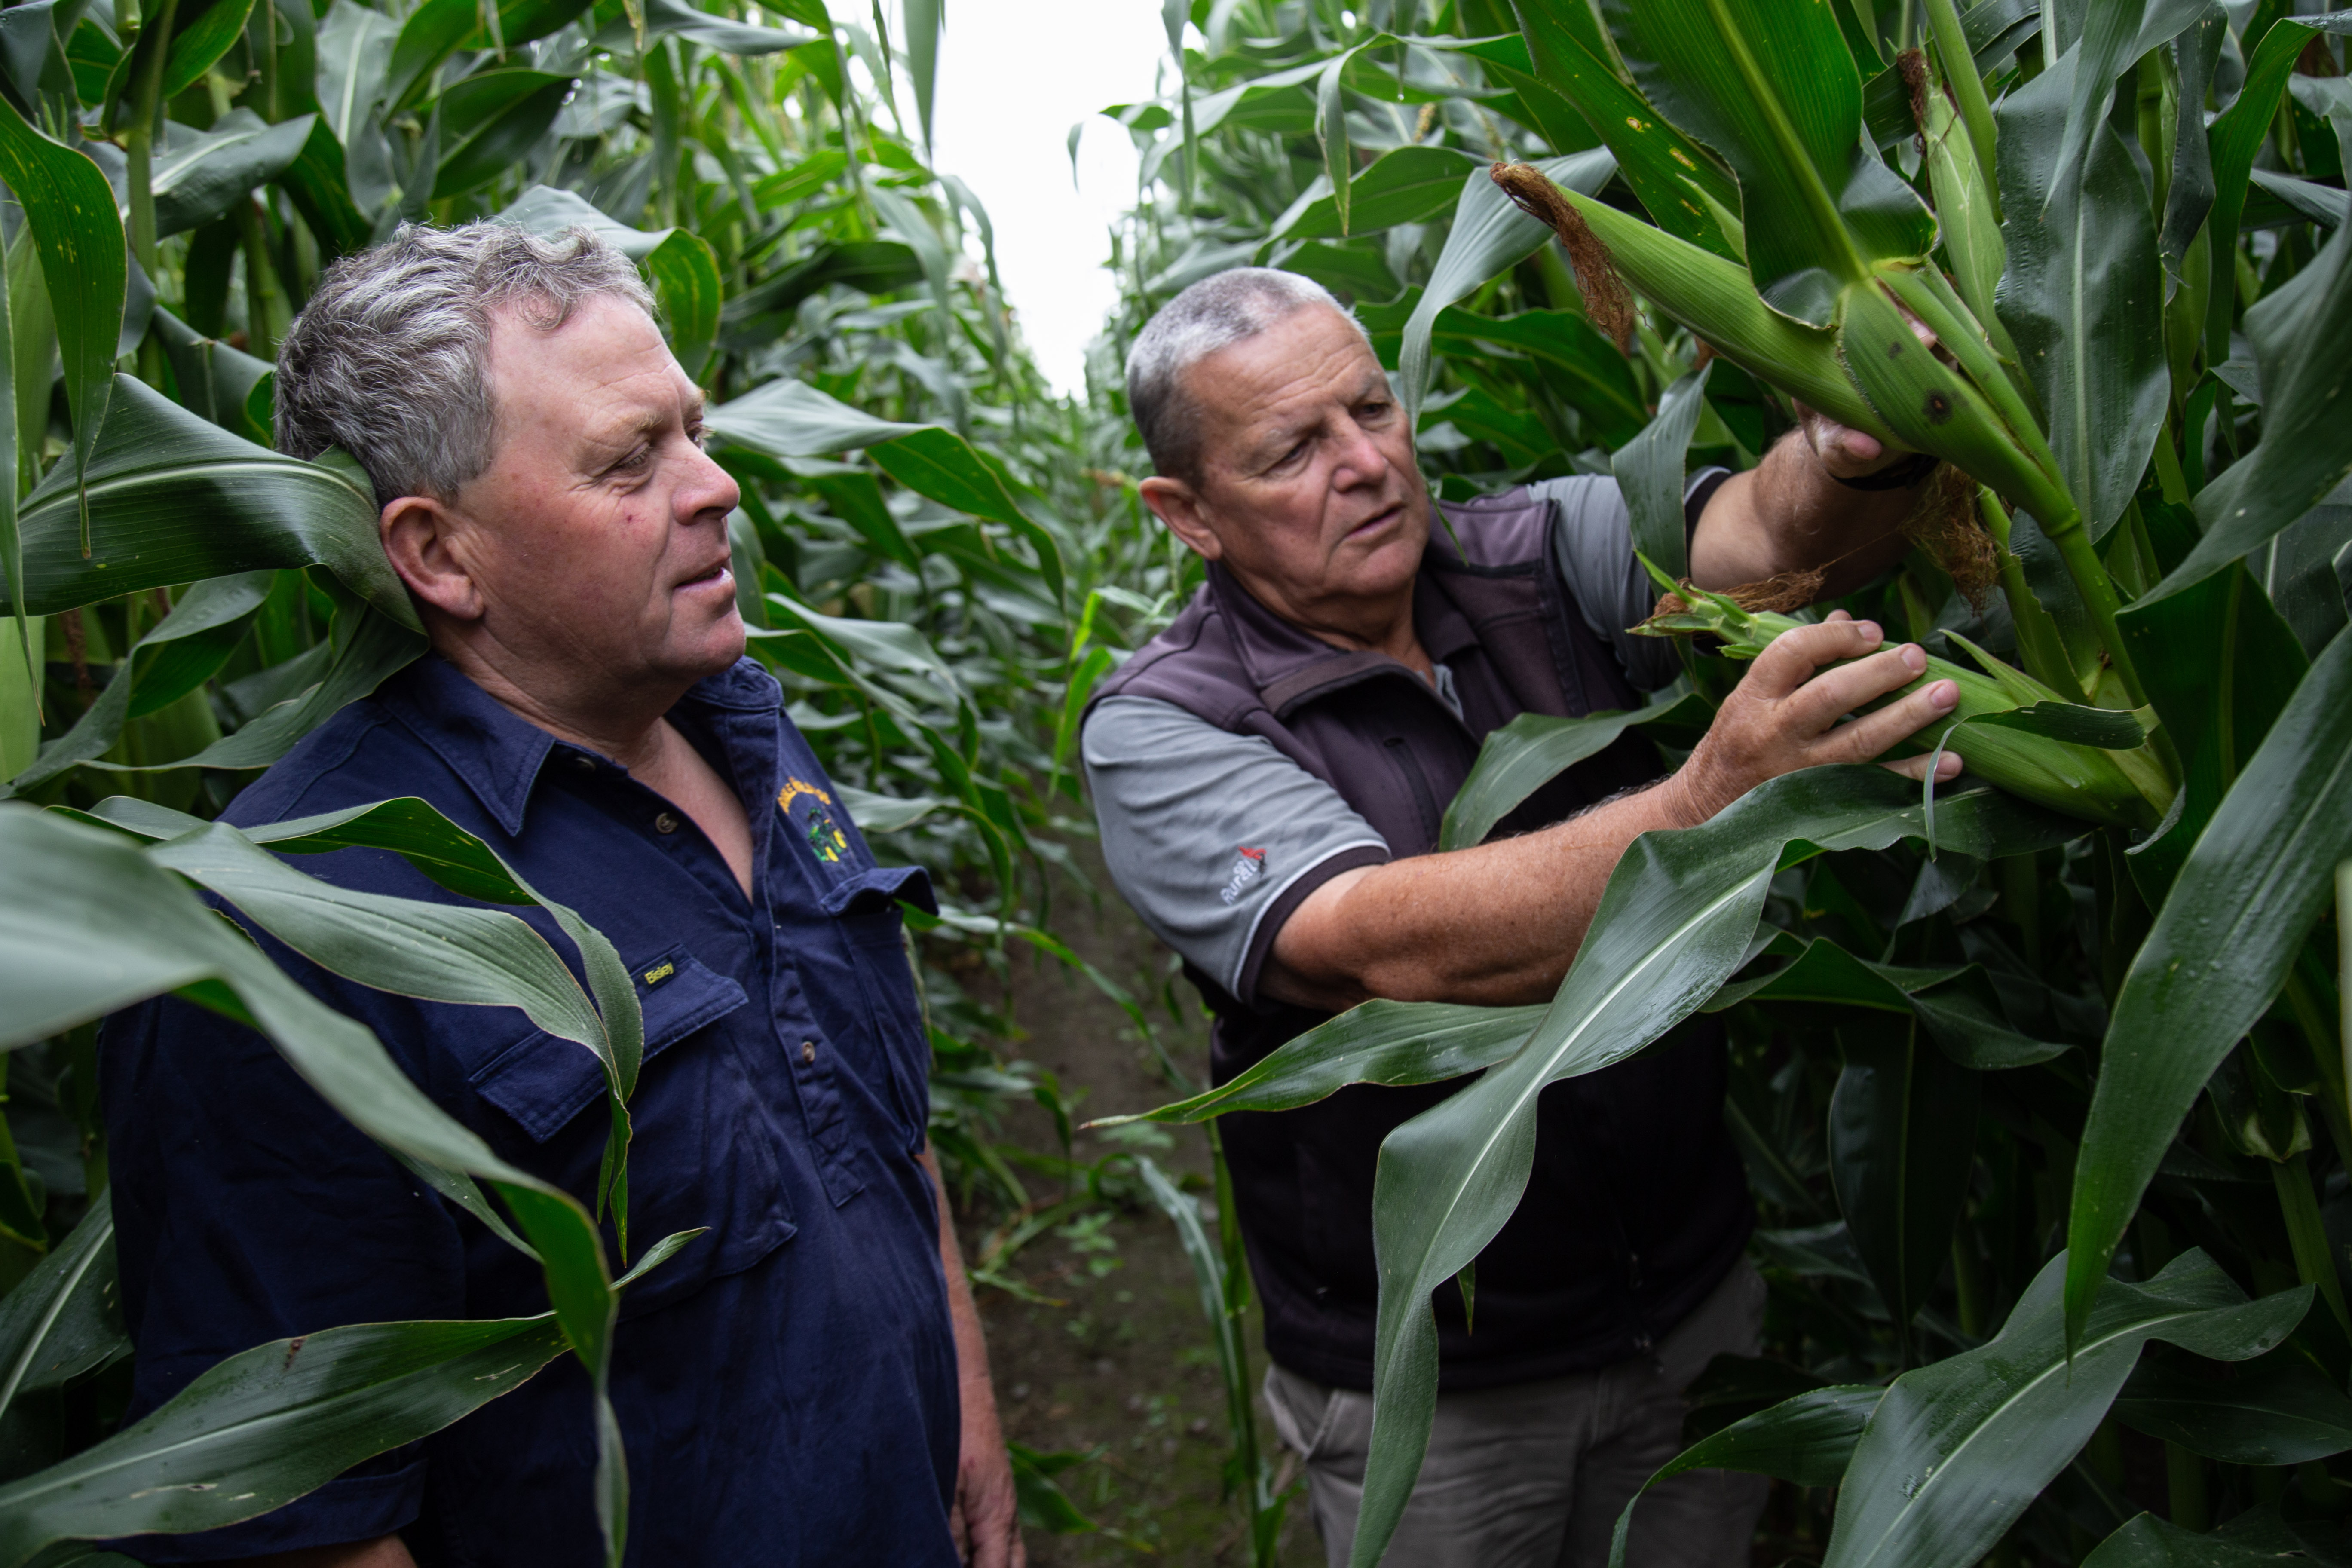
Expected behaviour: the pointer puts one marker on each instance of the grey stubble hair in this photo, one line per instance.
(390, 358)
(1214, 313)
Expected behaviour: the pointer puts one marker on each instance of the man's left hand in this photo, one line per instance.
(987, 1515)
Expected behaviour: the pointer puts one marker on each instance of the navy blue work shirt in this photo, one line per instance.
(786, 1385)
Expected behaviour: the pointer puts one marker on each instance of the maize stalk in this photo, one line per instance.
(2118, 789)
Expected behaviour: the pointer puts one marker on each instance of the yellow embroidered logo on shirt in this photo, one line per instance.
(826, 841)
(655, 976)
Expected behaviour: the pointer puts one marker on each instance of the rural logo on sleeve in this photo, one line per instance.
(809, 811)
(1248, 865)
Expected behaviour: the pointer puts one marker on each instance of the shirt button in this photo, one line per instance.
(808, 1051)
(665, 823)
(581, 765)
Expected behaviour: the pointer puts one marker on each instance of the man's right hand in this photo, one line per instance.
(1783, 716)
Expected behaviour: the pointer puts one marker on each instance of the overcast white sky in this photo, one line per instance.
(1013, 75)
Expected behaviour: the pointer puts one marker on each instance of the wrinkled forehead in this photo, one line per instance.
(1286, 378)
(603, 373)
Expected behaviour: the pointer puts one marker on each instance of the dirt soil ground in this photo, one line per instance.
(1119, 1367)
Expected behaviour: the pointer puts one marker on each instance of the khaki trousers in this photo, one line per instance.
(1534, 1475)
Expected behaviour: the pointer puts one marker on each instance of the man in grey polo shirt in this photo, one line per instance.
(1270, 773)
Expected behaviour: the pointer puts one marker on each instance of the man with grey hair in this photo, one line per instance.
(1270, 774)
(804, 1382)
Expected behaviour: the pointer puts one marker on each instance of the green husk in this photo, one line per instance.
(2118, 789)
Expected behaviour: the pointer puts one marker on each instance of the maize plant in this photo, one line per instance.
(2040, 1077)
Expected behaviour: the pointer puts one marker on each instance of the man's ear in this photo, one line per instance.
(419, 539)
(1179, 506)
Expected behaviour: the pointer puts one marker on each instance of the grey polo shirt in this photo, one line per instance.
(1205, 830)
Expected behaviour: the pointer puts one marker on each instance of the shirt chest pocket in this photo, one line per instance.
(704, 1149)
(865, 911)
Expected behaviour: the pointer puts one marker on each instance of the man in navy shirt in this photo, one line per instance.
(806, 1383)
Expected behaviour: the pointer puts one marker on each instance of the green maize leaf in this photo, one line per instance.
(942, 465)
(2235, 137)
(2268, 1411)
(2255, 1539)
(199, 42)
(2221, 947)
(1775, 91)
(1411, 184)
(1380, 1042)
(63, 1320)
(1674, 923)
(99, 926)
(1284, 92)
(523, 21)
(69, 207)
(675, 18)
(438, 953)
(2084, 298)
(685, 272)
(2106, 728)
(544, 209)
(1532, 102)
(1957, 1449)
(1958, 1007)
(1651, 473)
(489, 121)
(924, 21)
(265, 1426)
(1680, 184)
(430, 35)
(1716, 300)
(2323, 205)
(1490, 235)
(1044, 1504)
(1902, 1143)
(184, 651)
(22, 664)
(174, 499)
(213, 379)
(2189, 197)
(1533, 748)
(2303, 341)
(367, 648)
(2297, 571)
(876, 266)
(803, 179)
(856, 499)
(198, 173)
(453, 859)
(354, 51)
(1208, 1275)
(1582, 365)
(1806, 1440)
(316, 184)
(2113, 36)
(2219, 665)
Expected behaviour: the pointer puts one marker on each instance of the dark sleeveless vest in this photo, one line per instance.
(1637, 1205)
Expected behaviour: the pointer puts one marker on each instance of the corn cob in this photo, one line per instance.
(2119, 789)
(1868, 370)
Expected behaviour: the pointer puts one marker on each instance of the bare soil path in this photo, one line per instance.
(1117, 1364)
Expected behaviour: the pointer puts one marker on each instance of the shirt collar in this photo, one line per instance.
(500, 754)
